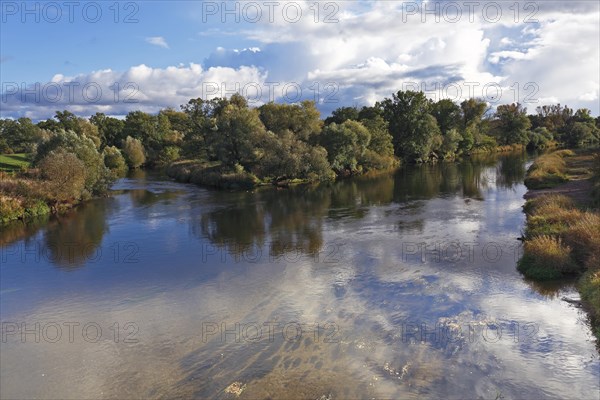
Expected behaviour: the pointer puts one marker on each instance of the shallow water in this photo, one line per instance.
(399, 285)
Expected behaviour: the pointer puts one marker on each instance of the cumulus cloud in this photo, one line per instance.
(359, 52)
(116, 93)
(158, 41)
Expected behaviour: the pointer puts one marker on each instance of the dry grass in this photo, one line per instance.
(21, 197)
(563, 240)
(551, 219)
(548, 170)
(584, 239)
(589, 287)
(560, 200)
(546, 257)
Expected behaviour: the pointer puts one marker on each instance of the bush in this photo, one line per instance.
(134, 152)
(10, 209)
(64, 174)
(168, 155)
(97, 176)
(546, 258)
(35, 207)
(212, 174)
(114, 161)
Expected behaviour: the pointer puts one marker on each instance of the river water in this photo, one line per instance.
(398, 285)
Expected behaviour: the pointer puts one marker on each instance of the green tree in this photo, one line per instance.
(68, 121)
(472, 111)
(345, 144)
(302, 120)
(342, 114)
(97, 176)
(447, 114)
(21, 136)
(513, 124)
(237, 134)
(539, 137)
(133, 149)
(64, 176)
(201, 115)
(415, 131)
(114, 161)
(110, 129)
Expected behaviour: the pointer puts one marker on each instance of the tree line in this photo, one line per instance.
(276, 142)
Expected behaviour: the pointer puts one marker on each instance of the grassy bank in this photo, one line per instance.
(21, 197)
(562, 235)
(549, 170)
(14, 162)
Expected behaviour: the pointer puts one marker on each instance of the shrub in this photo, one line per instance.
(10, 209)
(35, 207)
(114, 161)
(64, 174)
(134, 152)
(97, 176)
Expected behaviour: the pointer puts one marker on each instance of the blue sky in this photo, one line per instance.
(162, 53)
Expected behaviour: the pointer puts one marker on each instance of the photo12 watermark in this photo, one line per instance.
(71, 252)
(55, 12)
(69, 332)
(265, 92)
(253, 12)
(270, 331)
(447, 332)
(70, 92)
(491, 92)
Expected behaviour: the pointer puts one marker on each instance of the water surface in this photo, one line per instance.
(399, 285)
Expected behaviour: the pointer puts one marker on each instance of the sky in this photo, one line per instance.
(115, 57)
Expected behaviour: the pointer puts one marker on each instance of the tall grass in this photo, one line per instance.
(548, 170)
(546, 257)
(560, 240)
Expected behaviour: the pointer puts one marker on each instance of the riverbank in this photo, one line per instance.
(562, 234)
(214, 174)
(24, 197)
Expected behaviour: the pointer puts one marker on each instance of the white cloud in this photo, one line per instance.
(158, 41)
(375, 49)
(138, 88)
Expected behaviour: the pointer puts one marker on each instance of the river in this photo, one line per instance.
(398, 285)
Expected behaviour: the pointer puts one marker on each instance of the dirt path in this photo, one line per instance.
(579, 187)
(579, 190)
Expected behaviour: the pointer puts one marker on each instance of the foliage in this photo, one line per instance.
(416, 134)
(134, 153)
(97, 176)
(64, 176)
(345, 143)
(110, 129)
(114, 161)
(342, 114)
(302, 120)
(513, 124)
